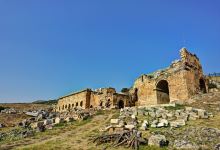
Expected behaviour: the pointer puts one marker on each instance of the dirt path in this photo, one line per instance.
(74, 137)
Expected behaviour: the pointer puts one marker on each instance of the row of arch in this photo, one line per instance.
(69, 106)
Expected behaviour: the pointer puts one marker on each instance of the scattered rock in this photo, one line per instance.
(177, 123)
(158, 140)
(183, 144)
(217, 146)
(130, 126)
(114, 121)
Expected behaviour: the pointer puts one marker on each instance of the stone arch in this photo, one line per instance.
(63, 107)
(162, 92)
(72, 105)
(66, 106)
(121, 104)
(77, 104)
(69, 106)
(202, 86)
(81, 103)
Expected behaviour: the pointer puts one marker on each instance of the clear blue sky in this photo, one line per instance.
(50, 47)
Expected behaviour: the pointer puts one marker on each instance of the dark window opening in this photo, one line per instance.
(120, 104)
(162, 90)
(202, 86)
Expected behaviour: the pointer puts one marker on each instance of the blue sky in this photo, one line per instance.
(49, 48)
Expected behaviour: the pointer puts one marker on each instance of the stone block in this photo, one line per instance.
(177, 123)
(48, 121)
(130, 126)
(158, 140)
(114, 121)
(37, 124)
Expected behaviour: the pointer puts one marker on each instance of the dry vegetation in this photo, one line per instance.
(11, 120)
(77, 135)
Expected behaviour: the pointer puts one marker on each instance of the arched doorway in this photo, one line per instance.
(202, 86)
(120, 104)
(162, 89)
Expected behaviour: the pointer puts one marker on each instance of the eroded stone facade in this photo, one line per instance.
(181, 80)
(103, 97)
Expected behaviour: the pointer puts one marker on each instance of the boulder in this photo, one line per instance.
(2, 125)
(49, 127)
(39, 117)
(48, 121)
(37, 124)
(69, 119)
(162, 123)
(146, 122)
(133, 117)
(33, 114)
(183, 144)
(158, 140)
(59, 120)
(217, 146)
(202, 114)
(153, 125)
(130, 126)
(114, 121)
(193, 116)
(152, 114)
(178, 123)
(188, 109)
(143, 126)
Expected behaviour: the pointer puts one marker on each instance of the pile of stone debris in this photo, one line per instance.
(9, 111)
(42, 120)
(140, 119)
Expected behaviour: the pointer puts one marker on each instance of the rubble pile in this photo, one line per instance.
(157, 117)
(9, 111)
(137, 119)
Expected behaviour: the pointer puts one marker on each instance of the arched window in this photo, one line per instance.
(72, 105)
(76, 104)
(81, 103)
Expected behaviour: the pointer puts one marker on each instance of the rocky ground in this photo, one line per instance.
(195, 125)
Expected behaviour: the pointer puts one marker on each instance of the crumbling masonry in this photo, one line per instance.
(181, 80)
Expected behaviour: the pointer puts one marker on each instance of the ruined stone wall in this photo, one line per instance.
(145, 91)
(118, 98)
(105, 97)
(79, 99)
(183, 77)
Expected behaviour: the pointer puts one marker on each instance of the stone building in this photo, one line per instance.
(103, 97)
(181, 80)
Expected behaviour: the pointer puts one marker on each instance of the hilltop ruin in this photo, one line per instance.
(180, 81)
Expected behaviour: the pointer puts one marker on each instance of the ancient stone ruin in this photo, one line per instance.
(178, 82)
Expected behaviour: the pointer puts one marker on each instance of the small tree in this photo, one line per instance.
(125, 90)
